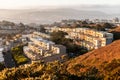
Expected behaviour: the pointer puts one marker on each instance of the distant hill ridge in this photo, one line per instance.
(47, 15)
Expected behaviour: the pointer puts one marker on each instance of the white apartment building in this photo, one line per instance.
(41, 42)
(39, 48)
(58, 49)
(89, 38)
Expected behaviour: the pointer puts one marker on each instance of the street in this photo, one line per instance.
(9, 61)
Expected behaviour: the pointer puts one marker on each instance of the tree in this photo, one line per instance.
(58, 37)
(107, 25)
(1, 66)
(7, 23)
(42, 29)
(18, 55)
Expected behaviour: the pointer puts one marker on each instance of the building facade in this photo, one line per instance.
(39, 48)
(89, 38)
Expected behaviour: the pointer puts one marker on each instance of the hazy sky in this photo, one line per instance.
(14, 4)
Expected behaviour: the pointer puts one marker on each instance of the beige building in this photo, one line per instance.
(58, 49)
(86, 37)
(43, 35)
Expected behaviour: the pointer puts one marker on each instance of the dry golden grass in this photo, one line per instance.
(98, 56)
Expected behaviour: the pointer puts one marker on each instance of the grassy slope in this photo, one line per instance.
(100, 59)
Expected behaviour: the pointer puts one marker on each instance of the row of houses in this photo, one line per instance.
(39, 48)
(89, 38)
(43, 35)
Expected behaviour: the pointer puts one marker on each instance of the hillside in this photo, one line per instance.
(98, 56)
(105, 60)
(117, 29)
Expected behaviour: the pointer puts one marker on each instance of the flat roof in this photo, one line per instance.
(41, 39)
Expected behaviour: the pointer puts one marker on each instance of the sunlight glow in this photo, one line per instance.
(14, 4)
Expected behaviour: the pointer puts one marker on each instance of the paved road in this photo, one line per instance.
(9, 61)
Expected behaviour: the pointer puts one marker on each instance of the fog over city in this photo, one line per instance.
(48, 11)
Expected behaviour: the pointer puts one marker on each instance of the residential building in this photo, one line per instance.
(58, 49)
(89, 38)
(43, 35)
(39, 48)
